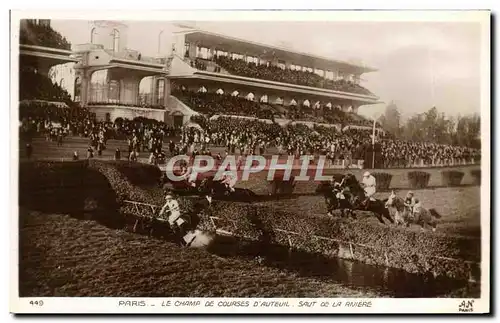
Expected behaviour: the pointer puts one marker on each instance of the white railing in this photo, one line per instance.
(447, 162)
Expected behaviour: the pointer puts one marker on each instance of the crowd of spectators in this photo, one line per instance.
(286, 75)
(397, 153)
(56, 122)
(243, 136)
(226, 104)
(237, 135)
(213, 103)
(198, 64)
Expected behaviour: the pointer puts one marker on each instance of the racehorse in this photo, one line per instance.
(182, 187)
(334, 200)
(221, 192)
(377, 207)
(404, 216)
(279, 186)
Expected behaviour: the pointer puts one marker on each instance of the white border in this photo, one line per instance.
(102, 305)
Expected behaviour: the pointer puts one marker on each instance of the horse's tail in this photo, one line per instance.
(435, 213)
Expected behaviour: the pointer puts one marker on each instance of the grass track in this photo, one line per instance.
(61, 256)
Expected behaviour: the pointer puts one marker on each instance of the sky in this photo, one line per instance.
(420, 64)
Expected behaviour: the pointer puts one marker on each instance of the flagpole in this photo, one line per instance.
(373, 144)
(432, 77)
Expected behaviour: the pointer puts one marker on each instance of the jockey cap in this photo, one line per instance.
(366, 174)
(168, 197)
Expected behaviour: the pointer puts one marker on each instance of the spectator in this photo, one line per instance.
(117, 154)
(29, 150)
(90, 153)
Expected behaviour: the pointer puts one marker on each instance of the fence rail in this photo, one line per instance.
(289, 234)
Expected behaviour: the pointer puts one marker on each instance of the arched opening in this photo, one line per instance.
(146, 91)
(264, 99)
(306, 103)
(160, 91)
(329, 105)
(114, 91)
(235, 93)
(203, 52)
(99, 86)
(293, 102)
(202, 90)
(220, 92)
(349, 109)
(279, 100)
(116, 40)
(93, 35)
(250, 96)
(178, 119)
(77, 89)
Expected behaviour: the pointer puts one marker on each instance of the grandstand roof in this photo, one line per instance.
(52, 56)
(228, 43)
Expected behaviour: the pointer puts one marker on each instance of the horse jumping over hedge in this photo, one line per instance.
(221, 192)
(179, 187)
(404, 216)
(377, 207)
(332, 197)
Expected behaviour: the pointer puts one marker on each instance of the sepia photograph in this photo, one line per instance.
(251, 162)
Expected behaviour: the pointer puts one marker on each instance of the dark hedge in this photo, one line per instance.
(451, 177)
(476, 175)
(418, 179)
(383, 181)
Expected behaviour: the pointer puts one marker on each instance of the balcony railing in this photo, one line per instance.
(131, 105)
(135, 55)
(80, 48)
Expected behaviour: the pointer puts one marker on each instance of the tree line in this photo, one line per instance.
(433, 126)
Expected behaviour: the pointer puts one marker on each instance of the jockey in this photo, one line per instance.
(190, 176)
(338, 188)
(409, 201)
(172, 210)
(229, 179)
(417, 209)
(370, 187)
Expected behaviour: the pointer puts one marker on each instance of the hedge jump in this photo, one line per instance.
(289, 234)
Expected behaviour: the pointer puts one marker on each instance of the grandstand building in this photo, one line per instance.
(203, 72)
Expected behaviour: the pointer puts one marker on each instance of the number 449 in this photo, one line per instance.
(36, 303)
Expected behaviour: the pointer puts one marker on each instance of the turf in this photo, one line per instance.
(459, 207)
(61, 256)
